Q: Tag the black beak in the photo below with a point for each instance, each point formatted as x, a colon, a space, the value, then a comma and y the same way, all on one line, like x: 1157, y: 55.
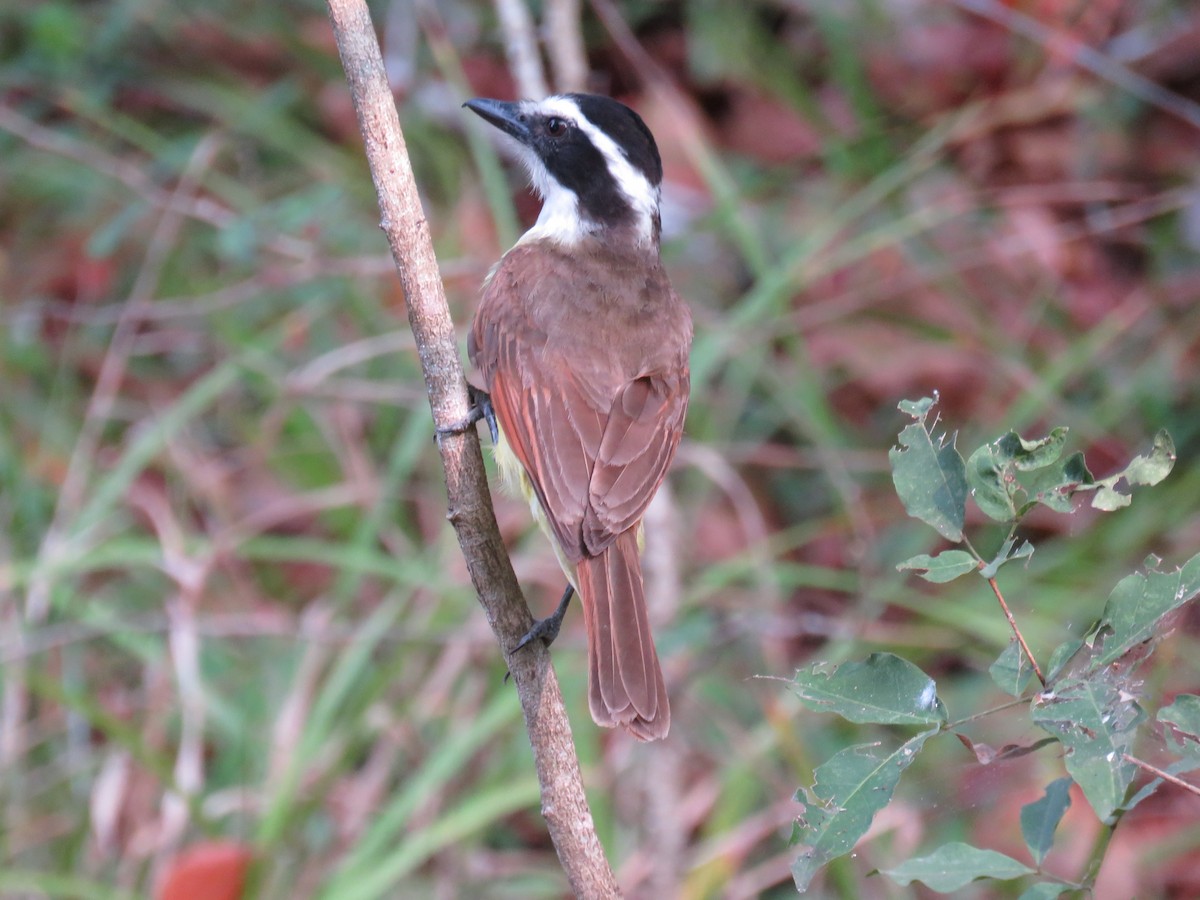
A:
x: 505, y: 116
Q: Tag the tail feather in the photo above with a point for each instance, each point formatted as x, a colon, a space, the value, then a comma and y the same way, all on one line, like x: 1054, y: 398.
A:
x: 625, y: 681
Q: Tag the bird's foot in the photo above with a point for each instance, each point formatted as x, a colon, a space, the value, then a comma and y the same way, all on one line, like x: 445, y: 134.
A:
x: 546, y: 629
x: 481, y: 408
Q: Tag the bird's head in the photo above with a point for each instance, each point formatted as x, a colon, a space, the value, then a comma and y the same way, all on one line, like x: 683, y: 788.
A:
x: 593, y: 161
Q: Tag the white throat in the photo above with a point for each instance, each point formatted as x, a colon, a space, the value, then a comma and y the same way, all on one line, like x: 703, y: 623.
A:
x: 559, y: 220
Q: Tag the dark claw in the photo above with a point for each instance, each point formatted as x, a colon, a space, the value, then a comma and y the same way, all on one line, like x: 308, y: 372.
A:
x: 483, y: 403
x: 481, y: 408
x: 546, y: 629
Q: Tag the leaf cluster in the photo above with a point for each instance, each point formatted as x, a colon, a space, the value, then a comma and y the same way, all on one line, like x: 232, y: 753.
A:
x: 1086, y: 698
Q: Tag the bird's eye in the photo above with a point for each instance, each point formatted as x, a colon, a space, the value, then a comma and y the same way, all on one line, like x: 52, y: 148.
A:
x: 556, y: 127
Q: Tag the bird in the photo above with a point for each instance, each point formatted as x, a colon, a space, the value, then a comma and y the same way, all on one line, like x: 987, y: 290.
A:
x: 582, y: 346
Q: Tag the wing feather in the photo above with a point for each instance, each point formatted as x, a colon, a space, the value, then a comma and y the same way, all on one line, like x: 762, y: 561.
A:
x: 594, y: 440
x: 640, y: 440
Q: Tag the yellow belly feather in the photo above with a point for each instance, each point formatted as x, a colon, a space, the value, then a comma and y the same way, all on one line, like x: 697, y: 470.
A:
x: 516, y: 481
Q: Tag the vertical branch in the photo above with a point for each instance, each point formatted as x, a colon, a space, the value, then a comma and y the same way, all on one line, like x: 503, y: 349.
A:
x: 521, y: 48
x: 564, y: 44
x: 564, y: 804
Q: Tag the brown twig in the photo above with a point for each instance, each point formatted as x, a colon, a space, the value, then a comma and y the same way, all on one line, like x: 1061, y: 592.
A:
x: 564, y: 804
x: 1159, y: 773
x: 1017, y: 631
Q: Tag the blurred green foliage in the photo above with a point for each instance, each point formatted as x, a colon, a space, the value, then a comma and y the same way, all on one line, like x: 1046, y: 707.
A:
x: 224, y: 564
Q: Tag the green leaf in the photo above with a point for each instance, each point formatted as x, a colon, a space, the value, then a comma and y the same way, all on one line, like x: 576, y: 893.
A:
x: 1137, y: 605
x: 955, y: 865
x: 1011, y: 671
x: 1040, y: 818
x: 991, y: 471
x: 847, y: 792
x: 993, y: 492
x: 883, y: 689
x: 918, y: 409
x: 1053, y: 487
x: 1005, y: 554
x: 1154, y: 467
x: 946, y: 566
x: 1063, y: 654
x: 929, y: 475
x: 1095, y: 721
x: 1027, y: 456
x: 1108, y: 499
x: 1142, y: 470
x: 1184, y: 717
x: 1184, y: 714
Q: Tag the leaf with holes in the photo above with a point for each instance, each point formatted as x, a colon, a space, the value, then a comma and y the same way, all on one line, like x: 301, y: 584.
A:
x: 1137, y: 605
x: 929, y: 474
x: 1095, y: 721
x: 1054, y: 486
x: 1183, y: 715
x: 992, y: 487
x: 992, y: 470
x: 1146, y: 469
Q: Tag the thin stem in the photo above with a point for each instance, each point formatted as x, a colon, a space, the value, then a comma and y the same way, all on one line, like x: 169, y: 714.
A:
x: 1159, y: 773
x: 950, y: 726
x: 1017, y: 631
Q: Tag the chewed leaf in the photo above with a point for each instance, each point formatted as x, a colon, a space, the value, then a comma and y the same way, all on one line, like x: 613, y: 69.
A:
x: 994, y: 491
x: 1184, y: 718
x: 1184, y: 714
x: 1055, y: 485
x: 992, y: 472
x: 1027, y: 456
x: 929, y: 474
x: 1156, y: 465
x: 1107, y: 498
x: 918, y: 409
x: 1137, y: 605
x: 1144, y: 469
x: 1095, y: 721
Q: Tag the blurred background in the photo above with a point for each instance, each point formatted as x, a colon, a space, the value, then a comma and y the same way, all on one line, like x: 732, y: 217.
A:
x: 234, y: 622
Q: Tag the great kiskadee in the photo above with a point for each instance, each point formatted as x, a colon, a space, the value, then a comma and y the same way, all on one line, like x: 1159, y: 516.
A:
x: 582, y: 346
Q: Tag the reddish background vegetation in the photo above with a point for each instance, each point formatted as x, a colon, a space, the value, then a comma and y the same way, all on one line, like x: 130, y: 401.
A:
x: 224, y: 562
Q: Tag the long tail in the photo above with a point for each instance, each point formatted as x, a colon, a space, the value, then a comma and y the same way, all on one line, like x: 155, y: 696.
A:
x: 625, y: 681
